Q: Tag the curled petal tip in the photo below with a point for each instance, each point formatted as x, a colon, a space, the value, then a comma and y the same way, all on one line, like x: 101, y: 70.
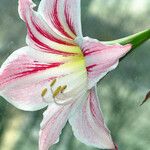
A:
x: 116, y: 147
x: 146, y: 98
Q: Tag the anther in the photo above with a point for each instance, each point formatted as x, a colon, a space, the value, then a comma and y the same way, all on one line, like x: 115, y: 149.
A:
x: 63, y: 88
x: 52, y: 83
x: 44, y: 91
x: 57, y: 91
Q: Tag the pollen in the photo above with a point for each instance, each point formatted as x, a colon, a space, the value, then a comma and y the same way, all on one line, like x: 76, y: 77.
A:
x: 44, y: 91
x: 63, y: 88
x: 53, y: 83
x: 57, y: 91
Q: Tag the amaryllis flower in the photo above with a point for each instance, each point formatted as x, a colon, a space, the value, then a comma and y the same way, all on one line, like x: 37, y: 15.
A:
x: 60, y: 69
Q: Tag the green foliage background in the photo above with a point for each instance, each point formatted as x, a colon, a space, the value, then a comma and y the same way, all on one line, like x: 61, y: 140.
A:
x: 120, y: 92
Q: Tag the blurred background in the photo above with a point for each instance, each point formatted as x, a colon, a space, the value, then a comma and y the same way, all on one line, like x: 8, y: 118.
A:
x: 120, y: 92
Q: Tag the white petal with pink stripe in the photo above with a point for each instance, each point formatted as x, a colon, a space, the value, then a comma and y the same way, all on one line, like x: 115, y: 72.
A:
x: 100, y: 58
x: 88, y: 124
x: 24, y: 75
x: 63, y: 16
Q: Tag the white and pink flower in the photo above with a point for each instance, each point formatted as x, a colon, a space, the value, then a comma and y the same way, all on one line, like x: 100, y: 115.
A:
x: 60, y: 69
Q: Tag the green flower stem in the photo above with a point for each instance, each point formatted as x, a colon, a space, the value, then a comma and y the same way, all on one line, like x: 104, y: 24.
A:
x: 136, y: 39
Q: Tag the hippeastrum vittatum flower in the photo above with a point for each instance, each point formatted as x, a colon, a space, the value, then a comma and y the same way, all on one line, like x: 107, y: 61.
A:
x: 60, y: 69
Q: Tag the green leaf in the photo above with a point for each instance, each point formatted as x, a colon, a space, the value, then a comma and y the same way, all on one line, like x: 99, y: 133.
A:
x: 136, y: 39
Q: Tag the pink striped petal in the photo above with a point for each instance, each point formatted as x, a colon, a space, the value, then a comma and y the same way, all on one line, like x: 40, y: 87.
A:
x: 101, y: 58
x: 63, y: 15
x: 26, y: 72
x: 55, y: 118
x: 22, y: 78
x: 88, y: 124
x: 40, y: 35
x: 72, y: 14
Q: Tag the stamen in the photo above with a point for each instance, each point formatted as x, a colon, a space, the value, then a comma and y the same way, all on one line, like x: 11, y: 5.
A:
x: 57, y: 91
x: 63, y: 88
x: 63, y: 98
x: 44, y: 91
x: 52, y: 83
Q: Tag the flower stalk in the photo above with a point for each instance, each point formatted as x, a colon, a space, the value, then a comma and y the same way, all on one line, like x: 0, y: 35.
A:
x: 135, y: 39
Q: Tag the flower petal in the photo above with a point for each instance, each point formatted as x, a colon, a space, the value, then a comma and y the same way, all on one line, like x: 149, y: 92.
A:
x: 88, y: 124
x: 63, y: 16
x: 27, y: 72
x: 55, y: 118
x: 101, y: 58
x: 41, y: 36
x: 19, y: 80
